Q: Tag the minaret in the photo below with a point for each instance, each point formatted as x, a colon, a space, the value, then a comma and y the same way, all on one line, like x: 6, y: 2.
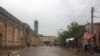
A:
x: 36, y: 27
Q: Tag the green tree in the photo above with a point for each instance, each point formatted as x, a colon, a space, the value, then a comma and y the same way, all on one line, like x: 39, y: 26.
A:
x: 63, y: 36
x: 74, y: 30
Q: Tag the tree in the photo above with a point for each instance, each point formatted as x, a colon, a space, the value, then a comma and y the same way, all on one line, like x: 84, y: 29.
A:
x: 62, y: 37
x: 74, y: 30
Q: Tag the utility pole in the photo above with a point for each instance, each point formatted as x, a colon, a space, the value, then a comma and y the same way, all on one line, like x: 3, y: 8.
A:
x: 92, y: 31
x: 92, y: 12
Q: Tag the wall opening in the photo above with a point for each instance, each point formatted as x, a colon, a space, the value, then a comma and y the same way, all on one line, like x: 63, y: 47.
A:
x: 0, y: 40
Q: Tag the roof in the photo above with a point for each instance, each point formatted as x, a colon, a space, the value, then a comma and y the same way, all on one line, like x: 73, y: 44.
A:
x: 7, y: 14
x: 97, y: 23
x: 13, y: 18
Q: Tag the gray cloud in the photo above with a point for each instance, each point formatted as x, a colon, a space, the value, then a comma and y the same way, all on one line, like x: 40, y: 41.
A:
x: 51, y: 14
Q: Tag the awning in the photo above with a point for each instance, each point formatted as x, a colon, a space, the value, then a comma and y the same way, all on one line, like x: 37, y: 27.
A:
x: 87, y: 36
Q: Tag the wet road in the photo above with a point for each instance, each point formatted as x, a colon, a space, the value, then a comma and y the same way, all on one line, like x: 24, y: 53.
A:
x: 46, y: 51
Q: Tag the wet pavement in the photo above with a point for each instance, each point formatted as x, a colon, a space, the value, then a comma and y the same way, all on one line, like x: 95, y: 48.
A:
x: 46, y: 51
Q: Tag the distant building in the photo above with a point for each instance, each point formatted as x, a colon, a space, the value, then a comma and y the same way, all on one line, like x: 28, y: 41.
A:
x: 36, y: 27
x: 47, y: 40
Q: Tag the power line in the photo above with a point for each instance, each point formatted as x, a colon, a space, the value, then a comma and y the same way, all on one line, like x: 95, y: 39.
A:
x: 86, y: 21
x: 96, y: 16
x: 96, y: 11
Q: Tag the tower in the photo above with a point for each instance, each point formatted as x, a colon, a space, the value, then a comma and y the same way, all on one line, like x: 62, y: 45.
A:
x: 36, y: 27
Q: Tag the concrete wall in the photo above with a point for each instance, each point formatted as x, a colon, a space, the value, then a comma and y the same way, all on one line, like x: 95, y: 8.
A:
x: 13, y: 32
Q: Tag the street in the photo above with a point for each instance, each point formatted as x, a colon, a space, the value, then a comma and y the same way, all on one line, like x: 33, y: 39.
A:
x: 46, y: 51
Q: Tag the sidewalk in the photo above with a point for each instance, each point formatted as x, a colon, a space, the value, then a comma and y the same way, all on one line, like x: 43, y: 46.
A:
x: 81, y: 52
x: 13, y: 52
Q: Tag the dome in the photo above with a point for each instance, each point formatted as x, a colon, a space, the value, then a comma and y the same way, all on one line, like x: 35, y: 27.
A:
x: 36, y: 21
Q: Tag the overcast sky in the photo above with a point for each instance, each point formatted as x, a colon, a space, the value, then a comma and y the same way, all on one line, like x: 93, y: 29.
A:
x: 51, y: 14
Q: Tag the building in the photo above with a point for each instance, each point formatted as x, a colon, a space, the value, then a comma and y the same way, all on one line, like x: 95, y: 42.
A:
x: 96, y: 27
x: 95, y: 37
x: 13, y: 32
x: 36, y: 27
x: 47, y: 40
x: 36, y: 39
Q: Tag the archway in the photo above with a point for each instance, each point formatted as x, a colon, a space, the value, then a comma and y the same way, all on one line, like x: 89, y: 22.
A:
x: 2, y: 34
x: 27, y: 39
x: 0, y: 40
